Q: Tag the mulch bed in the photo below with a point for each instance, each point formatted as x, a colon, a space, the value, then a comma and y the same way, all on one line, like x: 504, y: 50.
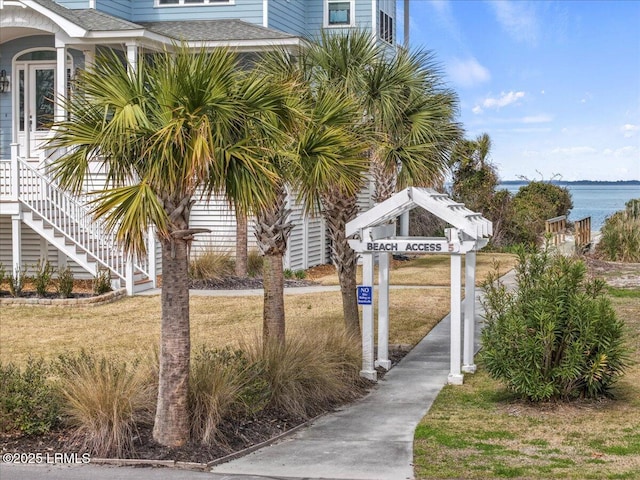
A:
x: 233, y: 436
x: 242, y: 283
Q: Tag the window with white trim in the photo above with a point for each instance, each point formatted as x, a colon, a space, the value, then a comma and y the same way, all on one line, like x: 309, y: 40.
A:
x: 177, y: 3
x: 339, y: 13
x: 385, y: 27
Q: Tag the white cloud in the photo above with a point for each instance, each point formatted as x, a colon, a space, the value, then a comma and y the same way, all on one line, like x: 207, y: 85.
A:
x: 630, y: 130
x: 574, y: 151
x: 502, y: 101
x: 518, y: 19
x: 467, y: 72
x: 542, y: 118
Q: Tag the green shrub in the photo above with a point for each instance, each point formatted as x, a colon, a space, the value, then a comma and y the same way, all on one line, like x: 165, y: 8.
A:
x: 556, y: 335
x: 312, y: 371
x: 223, y: 385
x: 254, y: 263
x: 620, y: 235
x: 102, y: 282
x: 64, y: 285
x: 104, y: 400
x: 42, y: 277
x: 533, y: 205
x: 300, y: 274
x: 27, y: 399
x: 288, y: 273
x: 16, y: 281
x: 211, y: 264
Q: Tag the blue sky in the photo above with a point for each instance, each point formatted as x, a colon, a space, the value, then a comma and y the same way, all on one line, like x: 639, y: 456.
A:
x: 556, y: 84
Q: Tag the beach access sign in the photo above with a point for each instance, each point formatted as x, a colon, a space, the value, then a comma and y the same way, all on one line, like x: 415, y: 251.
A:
x: 365, y: 295
x: 409, y: 245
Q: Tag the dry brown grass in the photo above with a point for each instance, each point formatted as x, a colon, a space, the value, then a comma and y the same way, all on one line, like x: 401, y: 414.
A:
x: 428, y: 270
x: 131, y: 326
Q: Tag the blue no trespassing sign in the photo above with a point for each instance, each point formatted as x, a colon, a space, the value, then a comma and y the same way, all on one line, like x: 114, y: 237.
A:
x: 365, y: 295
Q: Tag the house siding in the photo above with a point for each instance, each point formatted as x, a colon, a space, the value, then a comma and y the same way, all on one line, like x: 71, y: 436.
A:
x: 289, y: 16
x: 74, y: 4
x: 247, y: 10
x: 33, y: 248
x: 117, y: 8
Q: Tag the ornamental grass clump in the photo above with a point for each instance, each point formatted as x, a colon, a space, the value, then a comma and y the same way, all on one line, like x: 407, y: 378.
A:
x: 620, y: 240
x: 310, y: 372
x: 105, y: 400
x: 223, y: 386
x: 556, y: 335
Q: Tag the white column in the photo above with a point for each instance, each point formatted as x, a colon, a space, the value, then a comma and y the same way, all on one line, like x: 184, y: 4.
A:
x: 368, y: 371
x: 132, y: 56
x: 468, y: 364
x: 16, y: 242
x: 455, y: 376
x: 61, y: 80
x: 129, y: 275
x: 404, y: 224
x: 89, y: 57
x: 15, y: 172
x: 151, y: 252
x: 383, y: 311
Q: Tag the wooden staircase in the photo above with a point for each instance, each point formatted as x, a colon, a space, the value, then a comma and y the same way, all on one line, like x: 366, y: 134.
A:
x: 66, y: 223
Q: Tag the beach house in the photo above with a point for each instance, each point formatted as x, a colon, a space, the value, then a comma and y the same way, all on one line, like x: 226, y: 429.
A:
x: 43, y: 46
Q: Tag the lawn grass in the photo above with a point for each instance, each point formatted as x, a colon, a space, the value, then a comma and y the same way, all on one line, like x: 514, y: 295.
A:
x: 480, y: 430
x: 131, y: 327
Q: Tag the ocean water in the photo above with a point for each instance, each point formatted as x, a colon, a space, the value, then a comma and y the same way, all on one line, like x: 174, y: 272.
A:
x: 597, y: 201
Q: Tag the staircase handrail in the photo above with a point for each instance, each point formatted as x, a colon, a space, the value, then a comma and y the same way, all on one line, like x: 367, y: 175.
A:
x: 72, y: 219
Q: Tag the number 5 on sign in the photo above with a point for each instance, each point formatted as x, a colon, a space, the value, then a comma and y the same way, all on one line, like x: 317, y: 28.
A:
x: 365, y: 295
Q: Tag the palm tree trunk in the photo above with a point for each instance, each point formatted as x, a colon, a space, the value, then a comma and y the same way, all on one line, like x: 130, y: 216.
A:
x: 273, y: 326
x: 171, y: 426
x: 241, y: 244
x: 385, y: 180
x: 338, y: 210
x: 272, y: 233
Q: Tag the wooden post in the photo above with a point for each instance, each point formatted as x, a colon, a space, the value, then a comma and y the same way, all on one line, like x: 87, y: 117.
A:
x: 368, y: 371
x: 383, y: 311
x: 455, y: 375
x: 468, y: 364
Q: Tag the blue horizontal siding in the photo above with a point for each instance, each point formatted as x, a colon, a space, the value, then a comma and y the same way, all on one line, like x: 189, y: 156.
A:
x: 288, y: 16
x: 74, y: 4
x: 247, y: 10
x: 117, y: 8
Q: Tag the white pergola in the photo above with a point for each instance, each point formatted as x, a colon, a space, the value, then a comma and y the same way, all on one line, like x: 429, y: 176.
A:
x: 374, y: 233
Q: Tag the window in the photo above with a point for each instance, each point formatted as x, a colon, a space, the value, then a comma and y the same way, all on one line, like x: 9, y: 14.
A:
x: 165, y: 3
x: 385, y: 27
x: 339, y: 13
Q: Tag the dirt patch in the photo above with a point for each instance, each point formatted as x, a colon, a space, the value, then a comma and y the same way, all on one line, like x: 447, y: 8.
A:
x: 616, y: 274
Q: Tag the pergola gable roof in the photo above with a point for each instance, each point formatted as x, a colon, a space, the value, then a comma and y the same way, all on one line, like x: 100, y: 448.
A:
x: 471, y: 223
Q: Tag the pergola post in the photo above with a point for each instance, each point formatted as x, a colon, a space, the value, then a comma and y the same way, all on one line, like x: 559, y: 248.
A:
x: 468, y: 364
x: 455, y: 375
x: 383, y: 311
x: 368, y: 370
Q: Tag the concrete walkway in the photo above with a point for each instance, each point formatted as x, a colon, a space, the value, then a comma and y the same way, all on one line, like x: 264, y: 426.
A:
x: 371, y: 439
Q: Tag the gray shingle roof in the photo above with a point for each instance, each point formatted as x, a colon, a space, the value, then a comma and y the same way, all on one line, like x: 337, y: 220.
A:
x: 214, y: 30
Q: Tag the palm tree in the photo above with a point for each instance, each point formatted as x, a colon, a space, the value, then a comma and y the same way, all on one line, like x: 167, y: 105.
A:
x: 171, y: 130
x: 324, y: 154
x: 407, y: 116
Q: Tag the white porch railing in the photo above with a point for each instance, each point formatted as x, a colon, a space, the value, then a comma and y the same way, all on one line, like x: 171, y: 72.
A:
x: 67, y: 215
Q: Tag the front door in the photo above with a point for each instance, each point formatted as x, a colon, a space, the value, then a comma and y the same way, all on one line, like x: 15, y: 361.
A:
x: 36, y: 106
